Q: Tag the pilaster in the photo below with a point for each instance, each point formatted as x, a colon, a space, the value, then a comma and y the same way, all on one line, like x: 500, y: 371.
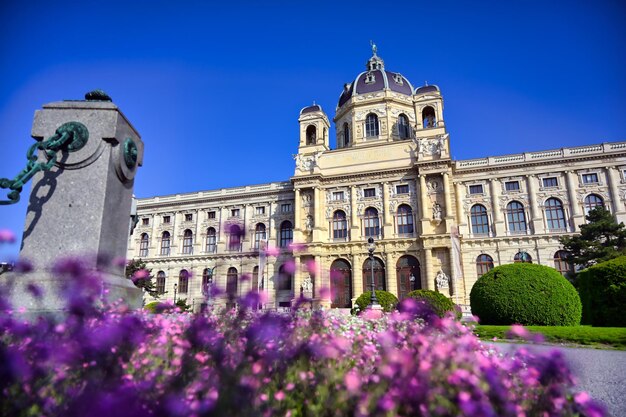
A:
x: 449, y: 214
x: 387, y: 219
x: 428, y: 270
x: 618, y: 206
x: 498, y: 223
x: 577, y: 217
x: 390, y: 268
x: 536, y: 220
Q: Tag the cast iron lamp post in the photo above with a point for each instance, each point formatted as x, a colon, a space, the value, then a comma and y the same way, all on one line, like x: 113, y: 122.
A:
x: 371, y: 247
x: 206, y: 291
x: 175, y: 287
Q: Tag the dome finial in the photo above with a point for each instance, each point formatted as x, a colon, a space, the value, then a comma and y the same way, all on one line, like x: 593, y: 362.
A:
x: 374, y: 48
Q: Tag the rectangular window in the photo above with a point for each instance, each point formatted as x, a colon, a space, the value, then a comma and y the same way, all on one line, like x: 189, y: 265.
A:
x: 476, y: 189
x: 369, y: 192
x: 145, y: 221
x: 211, y: 214
x: 285, y: 208
x: 402, y: 189
x: 260, y: 210
x: 511, y: 185
x: 337, y: 195
x: 188, y: 217
x: 590, y: 178
x: 166, y: 220
x: 234, y: 213
x: 550, y: 182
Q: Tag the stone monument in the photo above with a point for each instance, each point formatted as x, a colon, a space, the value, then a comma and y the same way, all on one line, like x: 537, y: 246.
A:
x: 80, y: 204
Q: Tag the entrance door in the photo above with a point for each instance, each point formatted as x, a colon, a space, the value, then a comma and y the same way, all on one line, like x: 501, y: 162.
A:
x: 341, y: 284
x: 379, y: 275
x: 408, y: 275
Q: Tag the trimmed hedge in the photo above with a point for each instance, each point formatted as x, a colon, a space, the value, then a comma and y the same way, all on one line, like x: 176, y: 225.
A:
x: 151, y: 307
x: 387, y: 300
x: 439, y: 303
x: 602, y: 289
x: 526, y: 294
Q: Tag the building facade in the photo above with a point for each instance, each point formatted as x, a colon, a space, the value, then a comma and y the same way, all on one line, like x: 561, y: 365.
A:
x: 438, y: 224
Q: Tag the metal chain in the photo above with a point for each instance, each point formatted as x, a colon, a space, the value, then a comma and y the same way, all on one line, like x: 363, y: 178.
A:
x: 72, y: 133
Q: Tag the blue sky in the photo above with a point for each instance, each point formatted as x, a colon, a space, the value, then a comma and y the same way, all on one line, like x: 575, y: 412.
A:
x: 215, y: 89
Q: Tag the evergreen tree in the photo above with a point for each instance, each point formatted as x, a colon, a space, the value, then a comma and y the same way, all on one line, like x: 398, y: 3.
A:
x: 141, y: 276
x: 601, y: 239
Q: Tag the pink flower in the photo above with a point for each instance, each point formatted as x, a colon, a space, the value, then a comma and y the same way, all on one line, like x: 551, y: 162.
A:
x: 518, y: 331
x: 279, y: 396
x: 581, y: 398
x: 352, y: 381
x: 7, y: 236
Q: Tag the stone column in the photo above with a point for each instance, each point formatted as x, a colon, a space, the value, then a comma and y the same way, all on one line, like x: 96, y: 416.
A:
x: 297, y: 227
x: 429, y: 283
x: 81, y: 206
x: 392, y: 279
x: 318, y: 198
x: 271, y: 230
x: 424, y: 206
x: 498, y: 223
x: 297, y: 277
x: 387, y: 218
x: 357, y: 276
x: 618, y: 205
x: 354, y: 219
x: 449, y: 217
x: 578, y: 217
x: 460, y: 216
x: 537, y: 219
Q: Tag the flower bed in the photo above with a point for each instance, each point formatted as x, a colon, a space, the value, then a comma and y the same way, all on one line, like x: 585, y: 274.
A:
x: 116, y: 363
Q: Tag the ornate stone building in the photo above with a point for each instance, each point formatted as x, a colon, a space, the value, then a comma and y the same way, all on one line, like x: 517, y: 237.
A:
x: 438, y: 224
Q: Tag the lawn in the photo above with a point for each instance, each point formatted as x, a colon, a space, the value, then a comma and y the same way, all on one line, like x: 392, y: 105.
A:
x: 583, y: 335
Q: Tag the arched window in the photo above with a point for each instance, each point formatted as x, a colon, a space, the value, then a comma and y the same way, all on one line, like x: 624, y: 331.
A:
x: 165, y: 244
x: 234, y: 238
x: 371, y: 222
x: 259, y: 235
x: 428, y: 117
x: 515, y: 217
x: 207, y: 280
x: 231, y: 282
x: 480, y: 220
x: 284, y: 279
x: 379, y: 275
x: 371, y: 126
x: 523, y: 257
x: 408, y: 275
x: 562, y: 264
x: 484, y: 264
x: 404, y: 129
x: 183, y: 281
x: 160, y: 282
x: 211, y: 241
x: 555, y: 215
x: 143, y: 245
x: 341, y: 284
x: 592, y: 201
x: 286, y: 234
x: 405, y: 220
x: 311, y: 135
x: 340, y: 225
x: 346, y: 134
x: 188, y: 242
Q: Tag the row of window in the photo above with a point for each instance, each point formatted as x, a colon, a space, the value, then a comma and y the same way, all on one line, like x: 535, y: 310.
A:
x: 368, y: 192
x: 235, y: 235
x: 548, y: 182
x: 484, y: 262
x: 371, y: 222
x: 260, y: 210
x: 516, y: 215
x: 285, y: 279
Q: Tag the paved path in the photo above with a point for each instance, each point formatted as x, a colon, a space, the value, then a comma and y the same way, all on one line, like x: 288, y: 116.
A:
x: 602, y: 373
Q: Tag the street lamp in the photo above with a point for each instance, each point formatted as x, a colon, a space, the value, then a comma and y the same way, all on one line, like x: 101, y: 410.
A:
x: 371, y: 247
x: 175, y: 287
x: 206, y: 291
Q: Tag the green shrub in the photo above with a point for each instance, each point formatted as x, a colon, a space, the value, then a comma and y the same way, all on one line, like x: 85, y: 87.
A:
x: 151, y: 307
x: 439, y: 303
x: 526, y: 294
x: 387, y: 300
x: 602, y: 289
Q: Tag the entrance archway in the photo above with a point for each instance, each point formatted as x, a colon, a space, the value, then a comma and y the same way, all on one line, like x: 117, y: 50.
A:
x: 341, y: 284
x: 408, y: 275
x: 379, y: 275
